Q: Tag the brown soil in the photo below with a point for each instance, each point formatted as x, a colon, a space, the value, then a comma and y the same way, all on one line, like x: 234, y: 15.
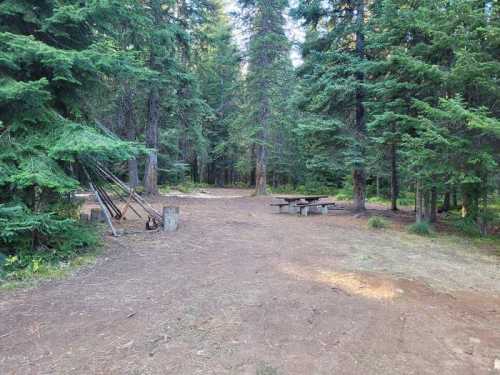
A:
x: 242, y: 290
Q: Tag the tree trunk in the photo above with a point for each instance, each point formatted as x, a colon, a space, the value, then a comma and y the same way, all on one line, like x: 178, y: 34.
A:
x: 359, y: 183
x: 377, y: 182
x: 261, y: 171
x: 454, y: 198
x: 130, y: 133
x: 433, y: 205
x: 424, y: 204
x: 359, y: 178
x: 151, y: 170
x: 418, y: 203
x: 394, y: 179
x: 446, y: 201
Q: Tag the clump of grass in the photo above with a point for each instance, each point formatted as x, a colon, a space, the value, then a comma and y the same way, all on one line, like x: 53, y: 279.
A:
x: 422, y: 228
x: 165, y: 189
x: 189, y: 186
x: 377, y: 223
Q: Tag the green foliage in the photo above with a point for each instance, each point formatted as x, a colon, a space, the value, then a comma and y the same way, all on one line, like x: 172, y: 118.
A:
x: 50, y: 60
x: 72, y: 246
x: 376, y: 222
x: 422, y: 228
x: 467, y: 226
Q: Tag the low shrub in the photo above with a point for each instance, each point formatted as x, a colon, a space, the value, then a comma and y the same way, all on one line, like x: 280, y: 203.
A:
x: 377, y: 223
x: 164, y: 189
x: 67, y: 248
x: 422, y: 228
x: 468, y: 227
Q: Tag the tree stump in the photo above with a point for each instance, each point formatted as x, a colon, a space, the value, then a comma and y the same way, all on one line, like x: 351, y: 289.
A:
x: 170, y: 218
x: 84, y: 218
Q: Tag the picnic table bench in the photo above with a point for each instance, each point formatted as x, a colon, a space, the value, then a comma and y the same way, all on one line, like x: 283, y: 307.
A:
x: 302, y: 204
x: 304, y: 207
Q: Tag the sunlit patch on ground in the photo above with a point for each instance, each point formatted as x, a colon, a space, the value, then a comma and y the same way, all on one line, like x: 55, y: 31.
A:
x: 348, y: 282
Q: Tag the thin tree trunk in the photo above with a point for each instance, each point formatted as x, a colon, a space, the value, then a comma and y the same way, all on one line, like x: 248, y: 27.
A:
x: 151, y: 170
x: 377, y: 182
x: 446, y: 201
x: 394, y: 179
x: 261, y: 170
x: 433, y: 205
x: 359, y: 177
x: 130, y: 134
x: 419, y: 204
x: 454, y: 198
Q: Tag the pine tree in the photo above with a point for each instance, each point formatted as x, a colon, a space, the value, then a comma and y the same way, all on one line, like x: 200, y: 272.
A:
x: 426, y: 88
x: 50, y: 59
x: 218, y: 70
x: 334, y: 55
x: 268, y: 56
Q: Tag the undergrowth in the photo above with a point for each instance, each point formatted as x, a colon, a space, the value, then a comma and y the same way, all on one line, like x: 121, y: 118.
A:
x: 422, y: 228
x: 376, y: 222
x: 25, y: 266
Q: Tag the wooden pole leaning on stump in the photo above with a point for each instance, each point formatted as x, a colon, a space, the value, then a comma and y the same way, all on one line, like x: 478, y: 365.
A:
x: 170, y: 218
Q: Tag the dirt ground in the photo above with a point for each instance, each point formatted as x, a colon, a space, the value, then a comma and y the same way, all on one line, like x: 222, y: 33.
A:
x: 240, y: 289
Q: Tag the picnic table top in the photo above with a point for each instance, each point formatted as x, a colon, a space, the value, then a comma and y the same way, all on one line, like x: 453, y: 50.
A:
x: 305, y: 197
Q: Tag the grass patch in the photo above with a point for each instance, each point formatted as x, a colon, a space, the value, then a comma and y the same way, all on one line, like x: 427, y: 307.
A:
x: 422, y: 229
x: 189, y: 187
x: 376, y: 222
x: 164, y: 189
x: 28, y: 277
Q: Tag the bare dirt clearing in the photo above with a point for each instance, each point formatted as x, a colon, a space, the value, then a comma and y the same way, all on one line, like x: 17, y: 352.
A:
x: 242, y: 290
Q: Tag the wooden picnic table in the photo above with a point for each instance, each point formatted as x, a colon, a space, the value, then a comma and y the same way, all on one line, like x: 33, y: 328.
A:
x: 307, y: 198
x: 296, y: 204
x: 291, y: 201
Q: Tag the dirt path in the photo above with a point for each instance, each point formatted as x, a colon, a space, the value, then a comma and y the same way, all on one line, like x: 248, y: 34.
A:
x: 240, y: 290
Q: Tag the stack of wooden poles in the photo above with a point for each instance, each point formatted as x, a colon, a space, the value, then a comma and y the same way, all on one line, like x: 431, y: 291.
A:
x: 100, y: 178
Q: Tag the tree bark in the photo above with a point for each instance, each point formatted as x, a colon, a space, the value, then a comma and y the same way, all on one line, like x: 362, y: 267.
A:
x: 425, y: 203
x: 359, y: 178
x: 446, y: 201
x: 130, y: 133
x: 454, y: 198
x: 394, y: 179
x: 261, y: 171
x: 419, y: 204
x: 151, y: 170
x: 433, y: 205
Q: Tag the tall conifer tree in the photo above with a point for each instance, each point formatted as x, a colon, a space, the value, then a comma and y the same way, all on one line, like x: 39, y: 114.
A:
x: 268, y: 57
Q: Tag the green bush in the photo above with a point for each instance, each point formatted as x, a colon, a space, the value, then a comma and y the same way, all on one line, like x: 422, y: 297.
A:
x: 468, y: 227
x: 377, y: 223
x: 164, y: 189
x: 422, y: 229
x: 64, y: 247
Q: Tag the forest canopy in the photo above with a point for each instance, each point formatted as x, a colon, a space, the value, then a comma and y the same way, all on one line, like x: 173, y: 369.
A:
x: 393, y: 99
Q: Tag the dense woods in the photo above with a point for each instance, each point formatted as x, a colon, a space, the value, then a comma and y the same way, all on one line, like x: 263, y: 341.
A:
x: 393, y: 99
